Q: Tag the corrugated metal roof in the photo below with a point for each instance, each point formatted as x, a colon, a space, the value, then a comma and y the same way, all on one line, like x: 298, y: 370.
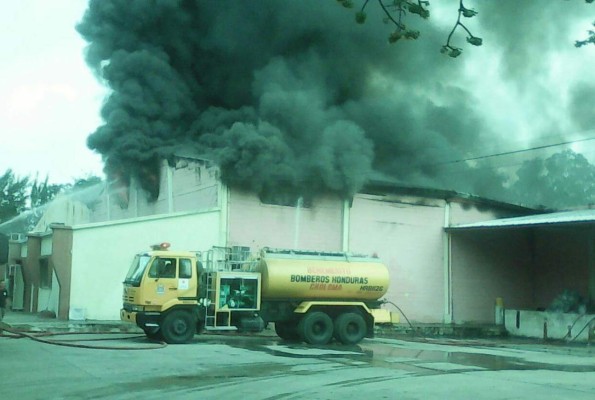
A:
x: 558, y: 218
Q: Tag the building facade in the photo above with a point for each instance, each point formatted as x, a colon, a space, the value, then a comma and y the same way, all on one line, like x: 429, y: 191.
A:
x: 75, y: 261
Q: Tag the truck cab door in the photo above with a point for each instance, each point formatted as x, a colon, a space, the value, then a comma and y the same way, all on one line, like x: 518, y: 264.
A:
x: 167, y: 279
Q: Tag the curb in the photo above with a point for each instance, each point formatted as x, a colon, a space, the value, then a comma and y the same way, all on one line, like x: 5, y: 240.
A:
x: 69, y: 326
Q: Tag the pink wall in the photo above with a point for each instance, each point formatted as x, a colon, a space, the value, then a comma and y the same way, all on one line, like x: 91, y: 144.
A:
x: 406, y: 232
x: 195, y: 186
x: 488, y: 264
x: 408, y: 238
x: 255, y: 224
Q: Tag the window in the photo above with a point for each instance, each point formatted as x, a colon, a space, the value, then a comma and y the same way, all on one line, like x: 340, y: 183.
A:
x: 185, y: 268
x: 163, y: 268
x: 45, y: 274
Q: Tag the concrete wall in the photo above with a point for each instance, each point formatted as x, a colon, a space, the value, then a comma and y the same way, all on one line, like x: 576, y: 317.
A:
x: 48, y: 299
x: 62, y: 264
x: 194, y: 186
x: 546, y: 325
x: 56, y: 249
x: 490, y: 264
x: 406, y: 233
x: 46, y: 245
x: 101, y: 255
x: 63, y: 210
x: 255, y: 224
x: 15, y: 249
x: 31, y: 254
x: 185, y: 186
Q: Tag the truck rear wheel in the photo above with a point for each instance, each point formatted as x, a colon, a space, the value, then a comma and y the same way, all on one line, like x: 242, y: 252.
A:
x: 178, y: 327
x: 316, y: 327
x: 287, y: 331
x: 350, y: 328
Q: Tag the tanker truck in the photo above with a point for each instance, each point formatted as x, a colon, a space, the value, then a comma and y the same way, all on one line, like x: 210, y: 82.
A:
x: 309, y: 296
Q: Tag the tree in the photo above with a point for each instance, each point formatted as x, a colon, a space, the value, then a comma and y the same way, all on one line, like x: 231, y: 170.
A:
x: 13, y: 195
x: 23, y: 202
x: 564, y: 180
x: 42, y: 192
x: 397, y: 10
x: 590, y: 39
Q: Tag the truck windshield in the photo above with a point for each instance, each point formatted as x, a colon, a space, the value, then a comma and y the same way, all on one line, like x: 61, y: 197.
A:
x: 135, y: 273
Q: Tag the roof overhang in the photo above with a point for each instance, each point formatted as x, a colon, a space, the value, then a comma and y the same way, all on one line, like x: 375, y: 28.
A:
x: 567, y: 218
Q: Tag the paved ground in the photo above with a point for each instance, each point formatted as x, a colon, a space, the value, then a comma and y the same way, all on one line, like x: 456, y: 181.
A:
x: 85, y: 366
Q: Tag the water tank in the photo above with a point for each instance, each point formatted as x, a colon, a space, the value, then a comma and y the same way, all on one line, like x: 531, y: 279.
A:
x: 301, y: 277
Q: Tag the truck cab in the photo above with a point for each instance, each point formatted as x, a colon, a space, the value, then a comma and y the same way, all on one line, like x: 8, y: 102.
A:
x: 170, y: 296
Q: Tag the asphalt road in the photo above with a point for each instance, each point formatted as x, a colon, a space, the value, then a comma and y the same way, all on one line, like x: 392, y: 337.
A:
x: 227, y: 367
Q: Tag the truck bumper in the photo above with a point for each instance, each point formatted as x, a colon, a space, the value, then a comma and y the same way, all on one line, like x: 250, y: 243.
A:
x: 128, y: 316
x: 143, y: 320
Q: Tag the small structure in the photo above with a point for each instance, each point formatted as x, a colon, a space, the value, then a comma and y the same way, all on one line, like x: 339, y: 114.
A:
x: 529, y: 262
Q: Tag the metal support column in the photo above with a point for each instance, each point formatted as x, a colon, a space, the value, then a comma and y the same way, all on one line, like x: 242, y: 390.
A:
x: 446, y: 240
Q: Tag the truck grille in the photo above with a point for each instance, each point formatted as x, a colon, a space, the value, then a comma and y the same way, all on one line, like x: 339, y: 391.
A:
x: 128, y: 295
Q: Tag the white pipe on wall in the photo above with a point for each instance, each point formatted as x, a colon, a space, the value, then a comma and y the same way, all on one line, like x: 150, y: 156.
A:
x: 223, y: 213
x: 346, y: 220
x: 170, y: 189
x: 591, y: 263
x: 298, y: 211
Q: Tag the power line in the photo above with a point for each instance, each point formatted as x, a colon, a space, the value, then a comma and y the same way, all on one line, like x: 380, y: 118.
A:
x: 515, y: 151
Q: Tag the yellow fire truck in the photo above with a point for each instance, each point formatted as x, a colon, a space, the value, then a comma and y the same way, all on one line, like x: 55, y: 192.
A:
x: 309, y: 296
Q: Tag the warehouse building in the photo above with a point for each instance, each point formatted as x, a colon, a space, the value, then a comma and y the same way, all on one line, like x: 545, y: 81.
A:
x: 449, y: 259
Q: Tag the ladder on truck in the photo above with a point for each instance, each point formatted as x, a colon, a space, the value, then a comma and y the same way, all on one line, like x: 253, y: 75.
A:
x: 221, y: 259
x: 215, y: 319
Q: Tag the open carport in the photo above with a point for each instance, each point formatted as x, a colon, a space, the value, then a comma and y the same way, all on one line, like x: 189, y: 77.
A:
x: 538, y: 265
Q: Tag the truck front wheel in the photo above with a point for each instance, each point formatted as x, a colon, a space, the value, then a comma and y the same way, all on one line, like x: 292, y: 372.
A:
x: 316, y: 328
x: 350, y: 328
x: 178, y: 327
x: 153, y: 333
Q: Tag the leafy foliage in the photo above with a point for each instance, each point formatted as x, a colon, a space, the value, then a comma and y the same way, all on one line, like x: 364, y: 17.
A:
x: 564, y: 180
x: 396, y: 10
x: 42, y: 192
x: 590, y: 39
x: 13, y: 195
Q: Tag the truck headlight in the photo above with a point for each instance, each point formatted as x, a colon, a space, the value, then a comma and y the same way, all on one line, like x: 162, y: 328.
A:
x: 137, y: 308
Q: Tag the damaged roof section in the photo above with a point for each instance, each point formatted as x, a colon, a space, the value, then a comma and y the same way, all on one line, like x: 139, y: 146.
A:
x: 382, y: 186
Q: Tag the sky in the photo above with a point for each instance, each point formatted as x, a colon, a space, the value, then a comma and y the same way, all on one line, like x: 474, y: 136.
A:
x: 527, y: 86
x: 49, y: 98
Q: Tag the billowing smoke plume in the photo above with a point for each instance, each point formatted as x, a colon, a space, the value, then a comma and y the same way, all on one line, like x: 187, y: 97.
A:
x: 287, y: 96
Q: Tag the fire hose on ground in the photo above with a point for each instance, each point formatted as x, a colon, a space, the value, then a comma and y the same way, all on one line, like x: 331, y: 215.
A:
x: 43, y: 337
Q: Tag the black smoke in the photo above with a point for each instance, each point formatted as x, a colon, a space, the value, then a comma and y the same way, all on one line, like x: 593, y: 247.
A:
x: 288, y: 97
